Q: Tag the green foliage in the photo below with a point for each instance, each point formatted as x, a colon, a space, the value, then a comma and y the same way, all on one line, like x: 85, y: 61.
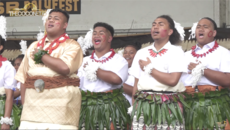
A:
x: 98, y: 108
x: 38, y: 56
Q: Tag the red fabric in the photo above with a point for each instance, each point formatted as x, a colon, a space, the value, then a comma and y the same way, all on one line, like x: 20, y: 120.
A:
x: 1, y: 60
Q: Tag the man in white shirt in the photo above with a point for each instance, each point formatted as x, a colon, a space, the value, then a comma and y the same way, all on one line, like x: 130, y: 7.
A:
x: 157, y: 70
x: 101, y: 77
x: 208, y: 66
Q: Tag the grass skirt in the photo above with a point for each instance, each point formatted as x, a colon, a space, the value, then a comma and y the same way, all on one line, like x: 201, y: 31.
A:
x: 155, y: 110
x: 207, y: 110
x: 100, y: 110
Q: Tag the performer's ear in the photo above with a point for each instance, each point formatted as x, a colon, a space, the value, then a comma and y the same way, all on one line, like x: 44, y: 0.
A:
x: 110, y: 39
x: 170, y: 32
x: 214, y: 33
x: 65, y: 25
x: 1, y: 47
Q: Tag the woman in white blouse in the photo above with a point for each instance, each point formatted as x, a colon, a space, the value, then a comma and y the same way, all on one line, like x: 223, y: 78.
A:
x: 7, y: 83
x: 129, y: 54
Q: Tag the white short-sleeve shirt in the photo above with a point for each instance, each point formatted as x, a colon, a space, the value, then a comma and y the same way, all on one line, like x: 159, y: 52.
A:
x: 218, y: 60
x: 7, y: 73
x: 130, y: 81
x: 169, y: 62
x: 117, y: 65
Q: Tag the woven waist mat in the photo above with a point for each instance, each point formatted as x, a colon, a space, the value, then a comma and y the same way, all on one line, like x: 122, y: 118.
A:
x: 52, y: 82
x: 98, y: 109
x: 202, y: 88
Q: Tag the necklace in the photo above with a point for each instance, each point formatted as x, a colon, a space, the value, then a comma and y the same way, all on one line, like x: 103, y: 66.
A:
x: 103, y: 61
x: 204, y: 54
x: 154, y: 53
x: 53, y: 44
x: 2, y: 59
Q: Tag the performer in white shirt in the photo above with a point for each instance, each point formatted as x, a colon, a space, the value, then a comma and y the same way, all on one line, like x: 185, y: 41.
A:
x: 207, y: 80
x: 129, y: 53
x: 7, y: 84
x: 101, y: 77
x: 157, y: 70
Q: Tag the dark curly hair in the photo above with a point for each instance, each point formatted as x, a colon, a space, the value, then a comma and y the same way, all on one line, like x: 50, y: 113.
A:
x: 175, y: 37
x: 2, y: 43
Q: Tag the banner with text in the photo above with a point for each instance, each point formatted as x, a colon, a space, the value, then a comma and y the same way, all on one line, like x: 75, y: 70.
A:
x: 18, y: 8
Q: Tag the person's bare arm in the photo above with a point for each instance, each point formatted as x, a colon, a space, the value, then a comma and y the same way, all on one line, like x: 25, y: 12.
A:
x: 134, y: 89
x: 128, y: 89
x: 217, y: 77
x: 109, y: 77
x: 16, y: 93
x: 23, y: 92
x: 56, y: 64
x: 170, y: 79
x: 220, y: 78
x: 8, y: 107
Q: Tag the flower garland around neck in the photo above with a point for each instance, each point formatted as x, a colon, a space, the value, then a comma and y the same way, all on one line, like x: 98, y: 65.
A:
x: 216, y: 45
x: 103, y: 61
x: 154, y: 53
x: 1, y: 60
x: 53, y: 44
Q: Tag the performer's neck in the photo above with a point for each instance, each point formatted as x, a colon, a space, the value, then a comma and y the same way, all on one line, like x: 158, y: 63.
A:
x: 100, y: 53
x: 201, y: 45
x: 52, y: 37
x: 159, y: 43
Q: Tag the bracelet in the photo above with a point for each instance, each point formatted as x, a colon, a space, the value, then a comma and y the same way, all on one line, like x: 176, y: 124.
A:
x: 148, y: 68
x: 197, y: 73
x: 6, y: 120
x: 91, y: 70
x: 202, y: 70
x: 38, y: 56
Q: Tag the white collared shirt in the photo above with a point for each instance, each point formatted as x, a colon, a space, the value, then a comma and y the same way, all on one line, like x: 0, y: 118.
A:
x: 117, y: 65
x: 169, y: 62
x: 218, y: 60
x: 7, y: 73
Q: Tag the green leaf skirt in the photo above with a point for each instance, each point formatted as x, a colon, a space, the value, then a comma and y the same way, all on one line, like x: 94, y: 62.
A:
x: 15, y: 114
x: 158, y: 110
x: 99, y: 110
x: 207, y: 111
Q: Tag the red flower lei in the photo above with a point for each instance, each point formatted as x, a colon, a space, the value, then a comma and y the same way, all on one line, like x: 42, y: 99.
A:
x: 154, y: 53
x: 103, y: 61
x: 53, y: 44
x: 204, y: 54
x: 1, y: 60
